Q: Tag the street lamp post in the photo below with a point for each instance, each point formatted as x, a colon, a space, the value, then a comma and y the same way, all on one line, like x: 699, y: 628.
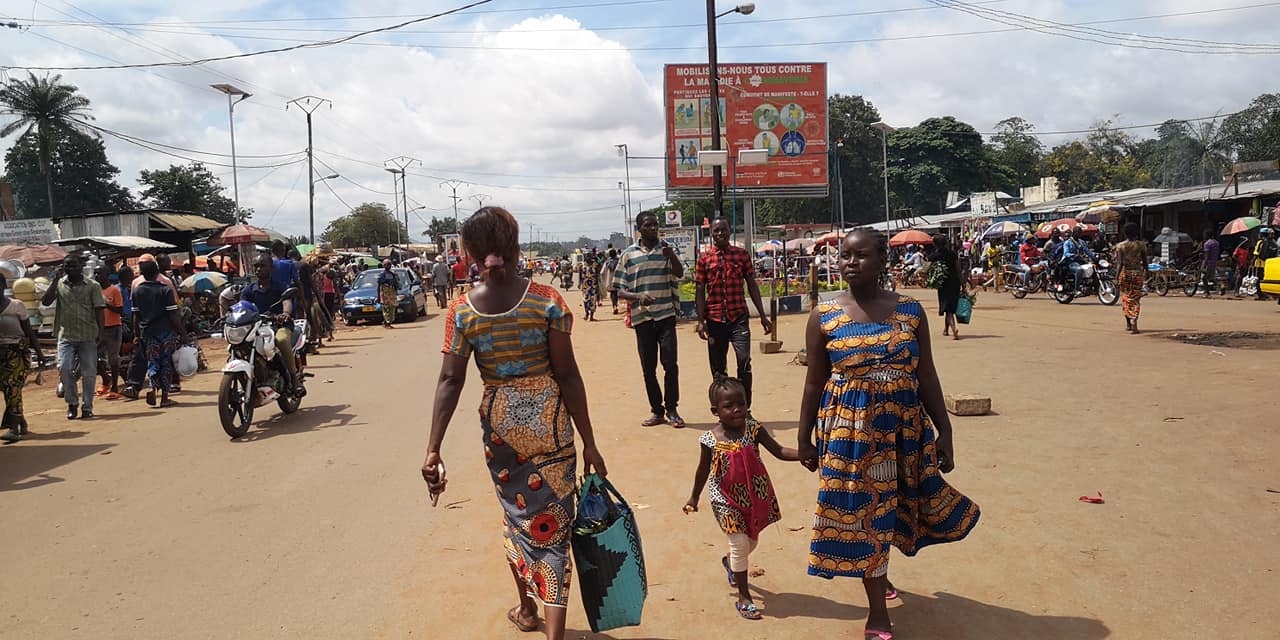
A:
x: 713, y: 73
x: 626, y: 164
x: 232, y: 90
x: 884, y: 130
x: 395, y: 200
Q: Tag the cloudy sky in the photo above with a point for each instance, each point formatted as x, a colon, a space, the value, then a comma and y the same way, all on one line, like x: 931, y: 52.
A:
x: 523, y: 100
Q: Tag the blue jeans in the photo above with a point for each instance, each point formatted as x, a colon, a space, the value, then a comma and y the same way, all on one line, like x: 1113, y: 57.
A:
x: 1075, y: 273
x: 85, y: 356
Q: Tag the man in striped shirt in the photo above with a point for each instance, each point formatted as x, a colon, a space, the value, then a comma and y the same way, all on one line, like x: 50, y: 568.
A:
x: 646, y: 277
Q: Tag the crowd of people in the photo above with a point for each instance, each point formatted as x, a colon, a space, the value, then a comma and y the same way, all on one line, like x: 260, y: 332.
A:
x: 872, y: 421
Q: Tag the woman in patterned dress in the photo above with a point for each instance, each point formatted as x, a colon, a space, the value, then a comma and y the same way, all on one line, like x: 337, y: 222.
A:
x: 872, y: 400
x: 518, y: 331
x: 1132, y: 259
x: 589, y: 282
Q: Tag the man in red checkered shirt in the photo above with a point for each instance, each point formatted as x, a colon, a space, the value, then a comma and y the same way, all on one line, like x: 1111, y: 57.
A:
x: 722, y: 274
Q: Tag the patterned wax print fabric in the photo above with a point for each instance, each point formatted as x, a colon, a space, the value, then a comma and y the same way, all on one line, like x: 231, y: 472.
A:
x: 13, y: 374
x: 387, y: 298
x: 741, y: 494
x: 590, y: 289
x: 512, y: 344
x: 1130, y: 283
x: 879, y: 481
x: 528, y: 437
x: 157, y: 349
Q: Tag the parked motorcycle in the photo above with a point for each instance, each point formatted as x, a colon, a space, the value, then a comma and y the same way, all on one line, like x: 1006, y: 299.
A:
x: 255, y: 373
x: 1095, y: 279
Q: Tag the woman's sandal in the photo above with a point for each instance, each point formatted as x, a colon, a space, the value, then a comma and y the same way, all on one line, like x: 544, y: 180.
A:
x: 724, y: 560
x: 874, y: 634
x: 749, y: 611
x: 514, y: 616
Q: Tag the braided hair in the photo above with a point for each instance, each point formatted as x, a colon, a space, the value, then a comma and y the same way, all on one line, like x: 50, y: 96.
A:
x: 492, y: 238
x: 724, y: 384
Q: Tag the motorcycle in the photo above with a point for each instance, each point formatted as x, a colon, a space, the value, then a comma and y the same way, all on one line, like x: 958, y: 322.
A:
x: 255, y: 374
x: 1020, y: 284
x: 1094, y: 279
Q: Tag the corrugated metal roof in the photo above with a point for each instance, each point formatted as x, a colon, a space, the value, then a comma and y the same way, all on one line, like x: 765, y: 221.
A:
x: 1158, y: 197
x: 184, y: 221
x: 118, y: 242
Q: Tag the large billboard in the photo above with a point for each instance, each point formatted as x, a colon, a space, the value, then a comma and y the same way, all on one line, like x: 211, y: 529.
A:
x: 780, y: 107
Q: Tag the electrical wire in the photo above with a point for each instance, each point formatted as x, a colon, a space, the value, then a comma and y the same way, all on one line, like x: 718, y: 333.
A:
x: 1246, y: 49
x: 250, y: 54
x: 335, y: 194
x: 184, y: 157
x: 301, y: 170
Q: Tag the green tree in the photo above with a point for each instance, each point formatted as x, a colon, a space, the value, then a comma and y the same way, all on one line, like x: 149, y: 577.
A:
x: 1106, y: 159
x: 78, y: 170
x: 48, y: 110
x: 1015, y: 152
x: 937, y: 156
x: 369, y: 224
x: 859, y: 155
x: 189, y: 187
x: 440, y: 226
x: 1254, y: 133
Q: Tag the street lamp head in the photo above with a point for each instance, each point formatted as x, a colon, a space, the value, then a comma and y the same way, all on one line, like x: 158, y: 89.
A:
x: 746, y: 8
x: 391, y: 170
x: 622, y: 150
x: 231, y: 90
x: 330, y: 176
x: 882, y: 127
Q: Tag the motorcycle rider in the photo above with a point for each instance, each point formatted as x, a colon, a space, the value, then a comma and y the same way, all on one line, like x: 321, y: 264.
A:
x: 264, y: 294
x: 1074, y: 253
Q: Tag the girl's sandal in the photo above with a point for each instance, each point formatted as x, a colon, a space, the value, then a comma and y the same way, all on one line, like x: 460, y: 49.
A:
x: 750, y: 612
x: 514, y: 616
x: 724, y: 560
x: 891, y: 594
x: 874, y: 634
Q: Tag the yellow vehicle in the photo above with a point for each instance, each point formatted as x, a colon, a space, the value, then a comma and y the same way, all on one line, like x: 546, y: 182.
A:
x: 1271, y: 277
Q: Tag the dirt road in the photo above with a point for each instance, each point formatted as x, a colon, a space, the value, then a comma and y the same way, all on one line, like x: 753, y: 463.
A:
x: 152, y: 524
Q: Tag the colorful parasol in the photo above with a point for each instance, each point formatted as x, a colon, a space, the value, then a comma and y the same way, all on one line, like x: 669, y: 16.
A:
x: 910, y: 236
x: 1241, y: 225
x: 1103, y: 210
x: 829, y: 238
x: 203, y: 281
x: 1004, y: 229
x: 241, y: 234
x: 1066, y: 226
x: 799, y: 245
x: 768, y: 246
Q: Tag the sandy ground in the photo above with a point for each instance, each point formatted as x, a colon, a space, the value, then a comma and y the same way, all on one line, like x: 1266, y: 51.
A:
x: 151, y: 524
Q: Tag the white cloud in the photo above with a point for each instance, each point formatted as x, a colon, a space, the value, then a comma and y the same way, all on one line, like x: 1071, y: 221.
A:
x: 494, y: 110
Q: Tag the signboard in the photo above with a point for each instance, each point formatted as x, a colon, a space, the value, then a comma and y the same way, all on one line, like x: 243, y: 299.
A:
x: 685, y: 241
x: 1261, y: 166
x: 984, y: 205
x: 672, y: 218
x: 34, y: 231
x: 779, y: 107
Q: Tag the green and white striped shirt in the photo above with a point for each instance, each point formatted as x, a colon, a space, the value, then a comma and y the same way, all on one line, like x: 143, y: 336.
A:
x: 646, y: 271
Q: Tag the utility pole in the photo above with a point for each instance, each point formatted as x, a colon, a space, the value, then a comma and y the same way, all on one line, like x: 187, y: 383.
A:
x: 402, y: 163
x: 480, y: 198
x: 453, y: 185
x: 626, y: 164
x: 305, y: 103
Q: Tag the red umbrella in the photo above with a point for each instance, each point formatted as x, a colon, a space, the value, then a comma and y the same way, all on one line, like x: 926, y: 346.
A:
x: 831, y: 237
x: 241, y: 234
x: 910, y: 236
x: 1065, y: 225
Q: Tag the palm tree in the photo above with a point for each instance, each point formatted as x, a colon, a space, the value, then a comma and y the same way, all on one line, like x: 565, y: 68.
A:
x: 48, y: 108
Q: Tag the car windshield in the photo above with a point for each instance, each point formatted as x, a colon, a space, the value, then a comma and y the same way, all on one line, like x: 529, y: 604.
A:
x: 370, y: 278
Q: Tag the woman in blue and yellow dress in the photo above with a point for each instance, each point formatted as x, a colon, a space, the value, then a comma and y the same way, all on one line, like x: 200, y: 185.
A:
x: 518, y: 332
x: 872, y: 402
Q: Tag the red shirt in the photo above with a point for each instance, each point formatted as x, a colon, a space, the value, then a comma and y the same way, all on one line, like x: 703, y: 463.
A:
x: 724, y: 274
x: 460, y: 271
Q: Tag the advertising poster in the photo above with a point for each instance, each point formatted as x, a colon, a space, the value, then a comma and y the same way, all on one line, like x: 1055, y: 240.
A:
x: 779, y: 107
x: 30, y: 231
x: 685, y: 241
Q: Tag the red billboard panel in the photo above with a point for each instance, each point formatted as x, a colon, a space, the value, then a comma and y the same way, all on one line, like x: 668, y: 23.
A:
x: 780, y: 107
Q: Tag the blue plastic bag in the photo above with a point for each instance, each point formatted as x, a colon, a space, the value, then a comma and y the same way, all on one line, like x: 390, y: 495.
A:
x: 964, y: 310
x: 606, y: 549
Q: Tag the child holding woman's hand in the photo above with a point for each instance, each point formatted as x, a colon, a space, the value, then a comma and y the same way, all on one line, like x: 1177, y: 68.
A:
x: 742, y: 496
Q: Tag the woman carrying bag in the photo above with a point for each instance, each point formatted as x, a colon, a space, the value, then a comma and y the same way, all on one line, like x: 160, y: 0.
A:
x: 519, y: 333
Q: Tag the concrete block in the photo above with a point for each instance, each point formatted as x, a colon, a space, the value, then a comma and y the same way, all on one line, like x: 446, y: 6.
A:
x: 968, y: 405
x: 770, y: 346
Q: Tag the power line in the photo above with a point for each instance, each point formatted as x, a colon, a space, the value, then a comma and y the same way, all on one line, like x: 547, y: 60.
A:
x: 237, y: 56
x: 286, y: 196
x: 144, y: 145
x: 165, y: 27
x: 1245, y: 48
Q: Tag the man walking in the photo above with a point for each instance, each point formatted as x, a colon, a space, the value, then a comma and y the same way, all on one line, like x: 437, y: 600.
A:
x: 77, y: 323
x: 720, y: 275
x: 112, y: 333
x: 646, y: 277
x: 440, y: 275
x: 388, y: 292
x: 158, y: 330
